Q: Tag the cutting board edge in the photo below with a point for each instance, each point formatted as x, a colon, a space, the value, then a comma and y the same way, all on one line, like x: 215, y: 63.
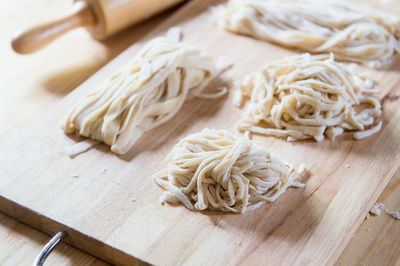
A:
x: 75, y: 238
x: 99, y: 249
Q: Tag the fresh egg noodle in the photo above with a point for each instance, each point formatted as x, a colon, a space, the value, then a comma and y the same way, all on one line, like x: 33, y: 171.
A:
x: 304, y: 96
x: 216, y: 170
x: 352, y: 32
x: 144, y: 93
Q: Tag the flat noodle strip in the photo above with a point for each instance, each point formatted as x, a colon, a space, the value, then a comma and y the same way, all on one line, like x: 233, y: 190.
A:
x: 352, y: 32
x: 80, y: 147
x: 216, y: 170
x: 303, y: 96
x: 146, y: 92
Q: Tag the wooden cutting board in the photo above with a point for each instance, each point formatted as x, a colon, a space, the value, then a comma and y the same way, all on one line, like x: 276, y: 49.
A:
x: 117, y: 215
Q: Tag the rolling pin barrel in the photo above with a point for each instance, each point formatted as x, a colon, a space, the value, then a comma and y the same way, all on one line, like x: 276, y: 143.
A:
x: 115, y: 15
x: 102, y: 18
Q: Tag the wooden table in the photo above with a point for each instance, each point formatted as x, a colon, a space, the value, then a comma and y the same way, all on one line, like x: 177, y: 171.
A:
x: 38, y: 81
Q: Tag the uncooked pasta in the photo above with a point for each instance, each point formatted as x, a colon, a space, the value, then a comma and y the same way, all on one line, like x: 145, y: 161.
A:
x: 304, y: 96
x: 217, y: 170
x: 144, y: 93
x: 352, y: 32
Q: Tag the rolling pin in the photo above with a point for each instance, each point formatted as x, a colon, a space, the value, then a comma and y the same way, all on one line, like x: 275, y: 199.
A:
x: 102, y: 18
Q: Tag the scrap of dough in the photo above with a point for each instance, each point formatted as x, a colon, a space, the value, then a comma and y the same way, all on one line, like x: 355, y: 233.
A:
x: 375, y: 210
x: 214, y: 169
x: 352, y: 32
x: 80, y: 147
x: 304, y: 96
x: 395, y: 215
x: 145, y: 93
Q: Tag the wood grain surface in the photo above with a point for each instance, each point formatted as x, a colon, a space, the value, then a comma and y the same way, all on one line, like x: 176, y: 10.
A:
x: 20, y: 244
x: 39, y: 106
x: 377, y: 241
x: 37, y: 82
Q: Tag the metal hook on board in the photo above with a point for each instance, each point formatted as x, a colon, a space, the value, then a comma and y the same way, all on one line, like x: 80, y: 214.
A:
x: 44, y: 253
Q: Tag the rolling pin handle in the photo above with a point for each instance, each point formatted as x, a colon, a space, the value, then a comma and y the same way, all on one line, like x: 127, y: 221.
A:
x: 31, y: 40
